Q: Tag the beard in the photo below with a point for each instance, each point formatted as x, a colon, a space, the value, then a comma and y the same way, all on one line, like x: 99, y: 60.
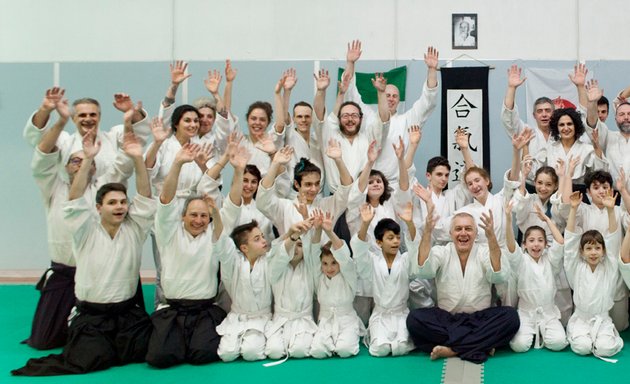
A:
x: 624, y: 127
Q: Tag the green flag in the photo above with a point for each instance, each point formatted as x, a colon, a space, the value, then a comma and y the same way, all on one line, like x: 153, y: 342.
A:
x: 397, y: 77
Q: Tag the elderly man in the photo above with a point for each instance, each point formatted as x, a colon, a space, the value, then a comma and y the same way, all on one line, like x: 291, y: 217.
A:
x: 463, y: 324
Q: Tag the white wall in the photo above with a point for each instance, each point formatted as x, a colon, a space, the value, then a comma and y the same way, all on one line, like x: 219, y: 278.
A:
x: 156, y: 30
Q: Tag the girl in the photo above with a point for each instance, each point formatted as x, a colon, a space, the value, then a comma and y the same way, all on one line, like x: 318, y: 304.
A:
x: 339, y: 328
x: 590, y: 262
x: 533, y: 270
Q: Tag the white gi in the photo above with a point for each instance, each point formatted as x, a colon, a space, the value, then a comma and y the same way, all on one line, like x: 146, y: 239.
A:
x: 590, y: 329
x: 387, y: 331
x: 536, y: 289
x: 616, y: 148
x: 588, y: 160
x: 108, y: 269
x: 339, y: 328
x: 290, y: 332
x: 243, y: 330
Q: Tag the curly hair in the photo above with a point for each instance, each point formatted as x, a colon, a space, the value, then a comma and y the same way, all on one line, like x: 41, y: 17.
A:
x: 575, y: 117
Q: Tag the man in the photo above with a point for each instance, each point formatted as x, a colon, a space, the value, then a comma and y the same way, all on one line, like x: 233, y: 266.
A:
x: 603, y: 107
x: 463, y: 38
x: 399, y: 123
x: 86, y: 115
x: 108, y: 327
x: 463, y: 324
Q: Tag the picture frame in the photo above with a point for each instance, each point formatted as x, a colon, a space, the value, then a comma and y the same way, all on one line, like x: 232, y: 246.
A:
x: 465, y: 27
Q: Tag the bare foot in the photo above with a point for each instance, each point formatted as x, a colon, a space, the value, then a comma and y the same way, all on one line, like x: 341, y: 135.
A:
x: 440, y: 351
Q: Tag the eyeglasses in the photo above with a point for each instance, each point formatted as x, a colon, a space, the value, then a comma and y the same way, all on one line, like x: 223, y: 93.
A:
x: 75, y: 161
x: 350, y: 115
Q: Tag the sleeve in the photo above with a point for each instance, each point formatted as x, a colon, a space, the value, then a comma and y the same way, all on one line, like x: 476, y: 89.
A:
x: 278, y: 260
x: 613, y: 245
x: 32, y: 134
x: 522, y: 206
x: 412, y: 253
x: 268, y: 203
x: 361, y: 256
x: 44, y: 167
x: 166, y: 113
x: 80, y: 218
x: 338, y: 202
x: 624, y: 270
x: 571, y: 255
x: 556, y: 255
x: 347, y: 266
x: 592, y: 162
x: 312, y: 252
x: 434, y: 262
x: 603, y: 132
x: 167, y: 220
x: 120, y: 171
x: 355, y: 199
x: 511, y: 120
x: 208, y: 185
x: 515, y: 259
x: 377, y: 130
x: 492, y: 276
x: 225, y: 248
x: 280, y: 139
x: 230, y: 215
x: 142, y: 213
x: 423, y: 107
x: 222, y: 129
x: 510, y: 186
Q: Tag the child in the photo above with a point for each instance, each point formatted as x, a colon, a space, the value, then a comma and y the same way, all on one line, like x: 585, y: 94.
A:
x: 390, y: 273
x: 590, y: 262
x: 534, y: 272
x: 339, y: 328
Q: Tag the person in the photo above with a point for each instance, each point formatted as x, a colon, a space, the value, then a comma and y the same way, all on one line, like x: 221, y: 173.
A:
x: 246, y: 274
x: 463, y: 324
x: 603, y: 108
x: 50, y: 326
x: 534, y: 268
x: 399, y: 123
x: 184, y: 328
x: 590, y: 261
x: 339, y: 328
x: 614, y: 144
x: 390, y: 272
x: 86, y: 116
x: 463, y: 37
x: 107, y: 326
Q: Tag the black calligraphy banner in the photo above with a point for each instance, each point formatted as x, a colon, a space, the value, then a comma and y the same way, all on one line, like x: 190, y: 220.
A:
x: 465, y: 106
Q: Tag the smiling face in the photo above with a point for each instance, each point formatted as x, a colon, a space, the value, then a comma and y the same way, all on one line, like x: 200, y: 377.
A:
x: 598, y: 191
x: 593, y: 253
x: 542, y: 115
x: 566, y: 128
x: 393, y: 97
x: 196, y: 218
x: 545, y: 186
x: 86, y: 117
x: 250, y: 186
x: 622, y: 118
x: 330, y: 267
x: 206, y: 120
x: 114, y: 208
x: 535, y: 243
x: 303, y: 118
x: 257, y: 122
x: 309, y: 186
x: 376, y: 187
x: 350, y: 120
x: 463, y: 232
x: 438, y: 178
x: 477, y: 185
x: 188, y: 126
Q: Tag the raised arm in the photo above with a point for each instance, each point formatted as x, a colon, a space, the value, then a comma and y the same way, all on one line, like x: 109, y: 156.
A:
x: 425, y: 243
x: 592, y: 94
x: 364, y: 177
x: 238, y: 159
x: 555, y: 232
x: 280, y: 159
x: 578, y: 77
x: 133, y: 148
x: 431, y: 59
x: 343, y: 87
x: 379, y: 82
x: 510, y: 241
x: 82, y: 177
x: 620, y: 184
x: 52, y: 97
x: 215, y: 214
x: 230, y: 76
x: 48, y: 142
x: 279, y: 102
x: 160, y: 134
x: 565, y: 179
x: 322, y: 81
x: 461, y: 138
x: 367, y: 214
x: 519, y: 141
x: 212, y: 83
x: 406, y: 215
x: 415, y: 135
x: 289, y: 83
x: 353, y: 54
x: 185, y: 155
x: 625, y: 248
x: 292, y: 236
x: 124, y: 104
x: 609, y: 203
x: 403, y: 175
x: 487, y: 224
x: 178, y: 75
x: 514, y: 81
x: 575, y: 200
x: 334, y: 152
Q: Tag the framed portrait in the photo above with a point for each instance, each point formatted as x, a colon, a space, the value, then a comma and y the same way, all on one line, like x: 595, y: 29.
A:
x: 465, y: 29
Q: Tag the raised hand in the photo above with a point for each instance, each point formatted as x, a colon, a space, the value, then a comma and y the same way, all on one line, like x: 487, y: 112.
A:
x: 187, y: 153
x: 52, y: 97
x: 461, y: 138
x: 230, y: 72
x: 406, y: 214
x: 399, y: 150
x: 327, y: 221
x: 431, y: 58
x: 379, y: 82
x: 415, y: 134
x: 575, y: 199
x: 431, y: 219
x: 514, y: 77
x: 284, y: 155
x: 178, y: 72
x: 240, y: 157
x: 609, y: 199
x: 63, y: 109
x: 578, y: 77
x: 540, y: 214
x: 318, y: 218
x: 322, y: 79
x: 354, y: 51
x: 132, y: 145
x: 280, y: 84
x: 122, y: 102
x: 620, y: 183
x: 265, y: 144
x: 159, y: 132
x: 561, y: 167
x: 302, y: 206
x: 487, y: 223
x: 334, y: 149
x: 301, y: 227
x: 290, y: 79
x: 91, y: 146
x: 593, y: 92
x: 212, y: 204
x: 520, y: 140
x: 373, y: 152
x: 344, y: 83
x: 423, y: 193
x: 366, y: 212
x: 128, y: 115
x: 204, y: 154
x: 574, y: 161
x: 527, y: 164
x: 213, y: 81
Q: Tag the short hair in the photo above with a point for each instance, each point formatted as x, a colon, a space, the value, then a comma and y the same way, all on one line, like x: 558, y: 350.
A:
x: 387, y: 189
x: 302, y: 104
x: 533, y: 228
x: 482, y: 172
x: 253, y: 170
x: 385, y: 225
x: 265, y: 106
x: 575, y: 117
x: 240, y: 233
x: 107, y: 188
x: 622, y: 104
x: 462, y: 214
x: 437, y: 161
x: 603, y: 101
x: 349, y: 103
x: 179, y: 112
x: 303, y: 167
x: 543, y: 100
x: 326, y: 250
x: 85, y: 100
x: 205, y: 102
x: 548, y: 171
x: 189, y: 200
x: 592, y: 236
x: 598, y: 176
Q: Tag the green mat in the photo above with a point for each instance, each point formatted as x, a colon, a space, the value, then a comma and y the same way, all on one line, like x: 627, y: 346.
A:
x: 538, y: 366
